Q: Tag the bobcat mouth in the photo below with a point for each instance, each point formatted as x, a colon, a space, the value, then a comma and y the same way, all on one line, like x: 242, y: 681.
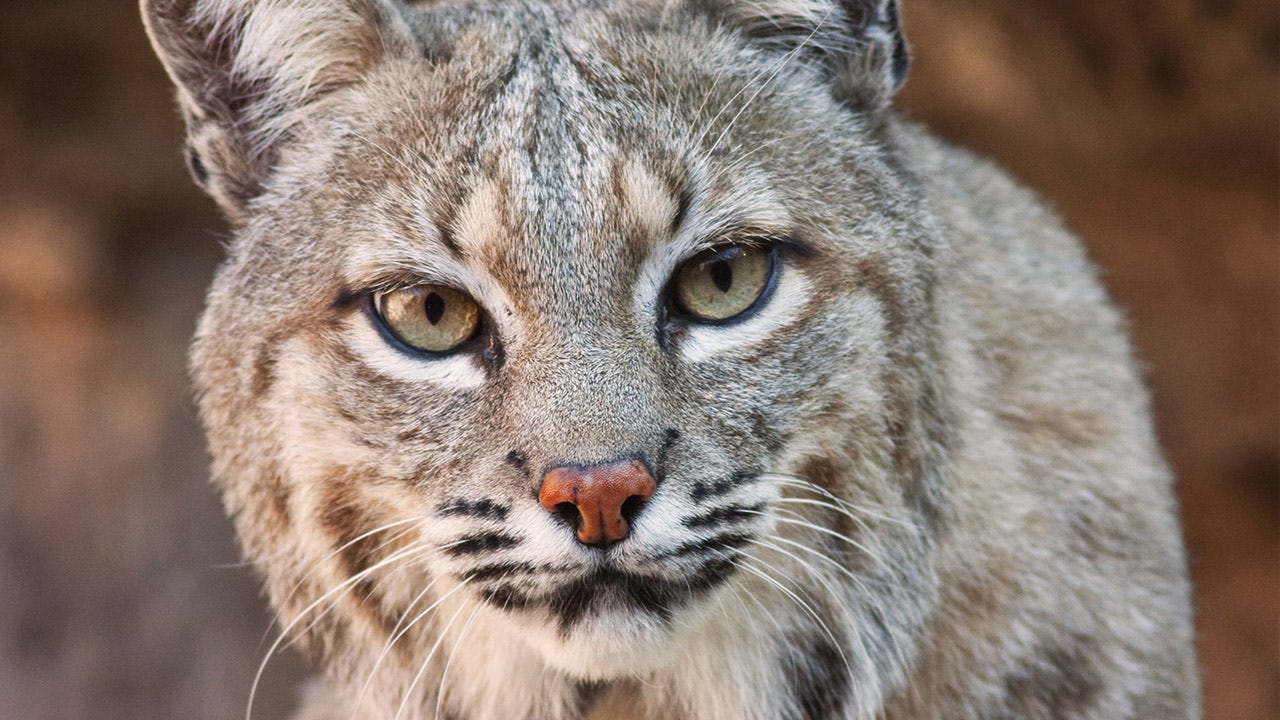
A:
x: 619, y: 590
x: 608, y: 588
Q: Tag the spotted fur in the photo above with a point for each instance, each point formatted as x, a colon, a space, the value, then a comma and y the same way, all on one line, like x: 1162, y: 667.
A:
x: 919, y: 481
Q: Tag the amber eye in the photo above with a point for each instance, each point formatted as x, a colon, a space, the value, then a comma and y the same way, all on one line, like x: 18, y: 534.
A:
x: 723, y: 282
x: 428, y: 317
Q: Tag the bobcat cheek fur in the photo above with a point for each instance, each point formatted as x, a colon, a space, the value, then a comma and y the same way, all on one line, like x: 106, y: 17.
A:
x: 916, y: 478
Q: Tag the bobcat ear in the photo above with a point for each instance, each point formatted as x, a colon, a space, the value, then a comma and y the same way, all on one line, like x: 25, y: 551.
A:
x: 860, y: 41
x: 247, y: 72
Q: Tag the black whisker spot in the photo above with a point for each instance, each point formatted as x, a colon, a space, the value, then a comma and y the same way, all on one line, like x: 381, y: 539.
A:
x: 713, y: 573
x: 652, y: 595
x: 726, y: 541
x: 669, y: 439
x: 506, y: 597
x: 499, y: 571
x: 656, y: 596
x: 703, y: 491
x: 730, y: 515
x: 517, y: 459
x: 482, y: 543
x: 482, y: 509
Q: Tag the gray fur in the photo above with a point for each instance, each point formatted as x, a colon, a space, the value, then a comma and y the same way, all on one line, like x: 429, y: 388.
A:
x: 922, y: 483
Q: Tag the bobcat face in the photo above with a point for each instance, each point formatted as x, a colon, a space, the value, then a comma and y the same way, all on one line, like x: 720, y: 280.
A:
x: 563, y: 203
x: 586, y: 329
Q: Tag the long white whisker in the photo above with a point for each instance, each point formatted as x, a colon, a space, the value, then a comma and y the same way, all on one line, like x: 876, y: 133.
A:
x: 840, y: 600
x: 408, y: 693
x: 797, y: 520
x: 745, y: 86
x: 868, y: 597
x: 453, y: 651
x: 421, y: 552
x: 697, y: 115
x: 826, y: 505
x: 801, y: 483
x: 415, y: 548
x: 805, y: 606
x: 739, y: 587
x: 363, y: 536
x: 396, y: 632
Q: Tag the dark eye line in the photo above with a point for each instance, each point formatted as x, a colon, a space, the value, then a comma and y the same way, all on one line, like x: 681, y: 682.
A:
x: 348, y: 298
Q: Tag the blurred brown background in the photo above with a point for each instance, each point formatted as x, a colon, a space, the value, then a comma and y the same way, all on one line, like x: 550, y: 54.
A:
x: 1153, y: 125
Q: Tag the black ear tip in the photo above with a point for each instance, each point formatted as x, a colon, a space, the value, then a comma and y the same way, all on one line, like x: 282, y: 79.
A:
x: 901, y: 61
x: 197, y: 167
x: 865, y: 13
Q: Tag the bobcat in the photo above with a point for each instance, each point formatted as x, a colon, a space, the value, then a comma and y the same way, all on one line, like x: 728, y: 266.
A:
x: 636, y: 360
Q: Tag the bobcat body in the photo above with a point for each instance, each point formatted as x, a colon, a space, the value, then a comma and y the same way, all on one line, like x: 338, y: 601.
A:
x: 915, y: 478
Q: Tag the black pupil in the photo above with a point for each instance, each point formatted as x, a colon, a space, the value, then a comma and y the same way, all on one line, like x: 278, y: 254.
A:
x: 434, y: 305
x: 721, y: 274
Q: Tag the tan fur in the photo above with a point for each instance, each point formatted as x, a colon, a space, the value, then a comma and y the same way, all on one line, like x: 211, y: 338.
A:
x: 919, y: 482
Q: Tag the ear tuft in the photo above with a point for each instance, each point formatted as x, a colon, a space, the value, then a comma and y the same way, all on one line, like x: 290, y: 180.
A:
x: 860, y: 41
x: 249, y: 71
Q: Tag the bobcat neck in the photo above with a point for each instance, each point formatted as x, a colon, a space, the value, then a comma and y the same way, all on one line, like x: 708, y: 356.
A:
x: 616, y: 702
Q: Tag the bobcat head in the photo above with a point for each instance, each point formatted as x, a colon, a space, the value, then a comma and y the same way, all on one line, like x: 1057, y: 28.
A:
x: 571, y: 344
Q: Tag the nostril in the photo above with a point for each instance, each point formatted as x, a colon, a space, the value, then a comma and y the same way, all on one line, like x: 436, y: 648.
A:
x: 631, y: 507
x: 569, y: 515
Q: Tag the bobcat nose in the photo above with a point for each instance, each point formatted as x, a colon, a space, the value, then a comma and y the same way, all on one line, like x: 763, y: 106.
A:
x: 600, y: 501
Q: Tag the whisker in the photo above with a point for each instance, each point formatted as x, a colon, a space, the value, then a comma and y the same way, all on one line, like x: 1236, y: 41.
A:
x: 697, y: 115
x: 805, y: 606
x: 338, y: 550
x: 453, y: 651
x: 728, y: 103
x: 799, y: 482
x: 868, y: 598
x: 797, y: 520
x: 841, y: 601
x: 737, y: 586
x: 423, y: 667
x: 396, y: 632
x: 413, y: 549
x: 827, y: 505
x: 337, y: 599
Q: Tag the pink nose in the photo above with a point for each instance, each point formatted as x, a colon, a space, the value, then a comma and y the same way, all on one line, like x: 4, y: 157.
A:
x: 599, y: 500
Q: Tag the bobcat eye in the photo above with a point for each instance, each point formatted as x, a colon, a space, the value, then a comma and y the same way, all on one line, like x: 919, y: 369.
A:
x: 432, y: 318
x: 723, y: 282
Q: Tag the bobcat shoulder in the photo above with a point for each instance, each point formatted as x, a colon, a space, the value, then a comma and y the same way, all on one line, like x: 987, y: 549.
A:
x: 577, y: 360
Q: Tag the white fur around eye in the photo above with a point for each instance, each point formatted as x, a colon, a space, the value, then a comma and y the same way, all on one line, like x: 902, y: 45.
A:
x: 788, y: 299
x: 458, y: 371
